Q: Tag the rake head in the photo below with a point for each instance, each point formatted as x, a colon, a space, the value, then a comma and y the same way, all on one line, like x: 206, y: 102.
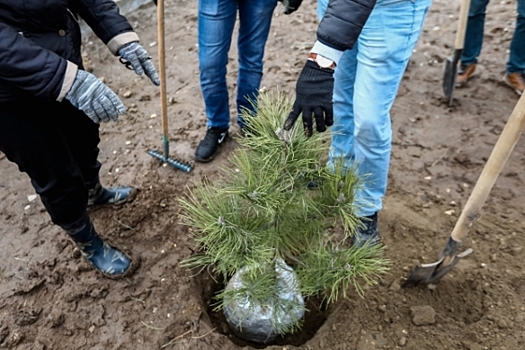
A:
x: 184, y: 166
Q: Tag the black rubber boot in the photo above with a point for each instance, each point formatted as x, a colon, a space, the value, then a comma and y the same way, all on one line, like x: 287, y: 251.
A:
x: 98, y: 195
x: 110, y: 261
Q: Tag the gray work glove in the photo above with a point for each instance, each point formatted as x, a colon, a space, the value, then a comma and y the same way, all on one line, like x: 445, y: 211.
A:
x: 137, y: 57
x: 94, y: 98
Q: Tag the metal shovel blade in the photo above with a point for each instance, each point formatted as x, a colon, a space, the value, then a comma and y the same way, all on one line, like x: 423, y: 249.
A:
x: 430, y: 273
x: 450, y: 75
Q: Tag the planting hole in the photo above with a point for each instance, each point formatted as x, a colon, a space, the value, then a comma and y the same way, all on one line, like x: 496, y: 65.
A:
x: 314, y: 318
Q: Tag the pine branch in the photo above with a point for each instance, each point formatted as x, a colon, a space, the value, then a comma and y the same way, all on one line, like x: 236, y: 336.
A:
x: 261, y: 209
x: 329, y: 271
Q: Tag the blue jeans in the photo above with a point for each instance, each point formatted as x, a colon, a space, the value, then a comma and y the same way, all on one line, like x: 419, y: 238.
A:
x: 215, y: 29
x: 474, y: 36
x: 366, y: 82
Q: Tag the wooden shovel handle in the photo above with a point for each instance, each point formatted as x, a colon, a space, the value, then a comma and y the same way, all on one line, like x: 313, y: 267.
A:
x: 462, y: 24
x: 162, y: 67
x: 501, y: 152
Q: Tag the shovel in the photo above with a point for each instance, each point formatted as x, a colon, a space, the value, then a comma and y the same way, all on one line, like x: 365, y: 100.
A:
x: 165, y: 156
x: 451, y: 64
x: 430, y: 273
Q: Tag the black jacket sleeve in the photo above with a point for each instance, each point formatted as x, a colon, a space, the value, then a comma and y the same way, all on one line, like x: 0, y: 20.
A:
x: 28, y: 66
x: 103, y: 16
x: 343, y: 22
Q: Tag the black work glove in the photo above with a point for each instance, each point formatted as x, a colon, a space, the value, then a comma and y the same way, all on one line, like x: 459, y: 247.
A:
x: 291, y: 5
x: 313, y: 95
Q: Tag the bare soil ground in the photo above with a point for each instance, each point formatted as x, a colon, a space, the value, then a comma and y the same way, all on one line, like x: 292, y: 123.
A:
x: 51, y: 299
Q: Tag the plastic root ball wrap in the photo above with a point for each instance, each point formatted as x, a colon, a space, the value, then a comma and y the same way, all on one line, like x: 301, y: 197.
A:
x: 262, y: 322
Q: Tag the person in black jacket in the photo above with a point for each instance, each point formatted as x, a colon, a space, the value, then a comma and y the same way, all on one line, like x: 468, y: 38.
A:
x: 368, y: 44
x: 50, y: 110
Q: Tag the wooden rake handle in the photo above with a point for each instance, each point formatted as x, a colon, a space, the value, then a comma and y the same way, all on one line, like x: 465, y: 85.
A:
x: 501, y: 152
x: 162, y: 68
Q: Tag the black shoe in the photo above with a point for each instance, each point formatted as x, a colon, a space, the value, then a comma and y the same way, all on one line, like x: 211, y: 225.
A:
x: 98, y: 195
x: 210, y: 144
x: 105, y: 258
x: 314, y: 184
x: 368, y: 233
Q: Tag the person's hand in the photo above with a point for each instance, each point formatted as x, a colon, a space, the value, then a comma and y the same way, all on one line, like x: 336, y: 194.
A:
x: 137, y: 57
x: 291, y: 6
x: 314, y: 91
x: 94, y: 98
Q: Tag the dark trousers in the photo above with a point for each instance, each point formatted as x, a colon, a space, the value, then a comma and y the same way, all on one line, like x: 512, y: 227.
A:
x: 57, y: 146
x: 474, y: 36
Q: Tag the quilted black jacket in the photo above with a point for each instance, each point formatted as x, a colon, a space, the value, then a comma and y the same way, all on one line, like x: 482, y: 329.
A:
x: 343, y: 22
x: 40, y: 43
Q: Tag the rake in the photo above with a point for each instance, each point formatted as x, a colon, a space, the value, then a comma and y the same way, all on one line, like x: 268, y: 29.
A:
x: 165, y: 156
